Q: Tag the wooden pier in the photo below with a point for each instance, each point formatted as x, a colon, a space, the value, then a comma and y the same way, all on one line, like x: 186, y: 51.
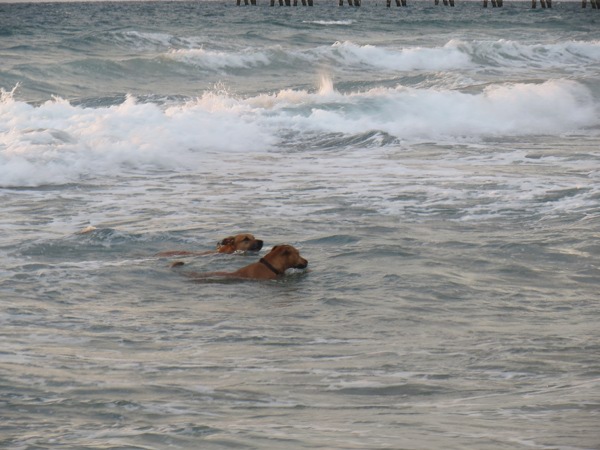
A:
x: 281, y: 2
x: 595, y: 4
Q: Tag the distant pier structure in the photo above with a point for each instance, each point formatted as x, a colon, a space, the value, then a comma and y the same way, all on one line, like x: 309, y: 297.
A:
x: 495, y: 3
x: 544, y: 3
x: 281, y: 2
x: 595, y: 3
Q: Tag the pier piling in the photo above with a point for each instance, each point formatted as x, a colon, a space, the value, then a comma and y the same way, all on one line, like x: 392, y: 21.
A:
x: 495, y: 3
x: 290, y: 2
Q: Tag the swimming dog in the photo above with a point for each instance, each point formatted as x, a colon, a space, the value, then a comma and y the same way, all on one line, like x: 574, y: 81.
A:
x: 244, y: 242
x: 270, y: 267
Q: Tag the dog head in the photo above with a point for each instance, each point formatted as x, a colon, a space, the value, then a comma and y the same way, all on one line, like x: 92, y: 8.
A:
x: 239, y: 243
x: 286, y: 257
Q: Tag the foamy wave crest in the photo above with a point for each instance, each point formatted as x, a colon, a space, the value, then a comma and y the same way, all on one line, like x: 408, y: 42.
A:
x: 507, y: 53
x: 329, y: 22
x: 417, y: 58
x: 217, y: 60
x: 457, y: 54
x: 141, y: 40
x: 552, y: 107
x: 340, y: 54
x: 58, y: 143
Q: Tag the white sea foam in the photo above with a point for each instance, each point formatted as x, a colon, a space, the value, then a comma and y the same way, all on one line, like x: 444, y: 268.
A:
x: 508, y: 53
x: 454, y: 55
x: 343, y: 54
x: 417, y: 58
x: 218, y: 60
x: 142, y: 40
x: 57, y: 142
x: 329, y: 22
x: 516, y: 109
x: 457, y: 54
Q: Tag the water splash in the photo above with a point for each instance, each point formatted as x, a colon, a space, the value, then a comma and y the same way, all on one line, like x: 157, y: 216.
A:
x: 325, y: 85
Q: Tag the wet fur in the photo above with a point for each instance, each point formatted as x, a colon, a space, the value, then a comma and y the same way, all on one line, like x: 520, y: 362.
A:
x: 276, y: 262
x: 244, y: 242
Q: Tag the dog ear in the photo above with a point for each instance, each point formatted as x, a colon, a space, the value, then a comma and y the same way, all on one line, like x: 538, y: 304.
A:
x: 283, y: 250
x: 227, y: 241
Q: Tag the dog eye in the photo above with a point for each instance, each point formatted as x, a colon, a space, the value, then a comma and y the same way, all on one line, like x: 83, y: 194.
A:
x: 246, y: 239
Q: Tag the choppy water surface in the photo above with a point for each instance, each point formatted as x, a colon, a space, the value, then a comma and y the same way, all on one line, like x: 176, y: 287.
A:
x: 439, y: 168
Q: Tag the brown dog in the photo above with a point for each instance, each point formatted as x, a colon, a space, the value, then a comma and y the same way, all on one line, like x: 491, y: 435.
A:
x: 273, y: 265
x: 239, y: 243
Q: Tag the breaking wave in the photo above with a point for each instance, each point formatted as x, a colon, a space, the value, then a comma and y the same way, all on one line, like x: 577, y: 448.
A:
x: 57, y: 142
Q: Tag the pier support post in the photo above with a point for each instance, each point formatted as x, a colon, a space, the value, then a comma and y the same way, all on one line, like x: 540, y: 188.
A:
x: 403, y: 2
x: 452, y: 3
x: 595, y: 4
x: 398, y: 3
x: 485, y: 3
x: 310, y: 2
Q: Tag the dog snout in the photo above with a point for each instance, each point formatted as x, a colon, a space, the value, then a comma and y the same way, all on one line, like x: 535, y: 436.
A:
x: 303, y: 264
x: 256, y: 245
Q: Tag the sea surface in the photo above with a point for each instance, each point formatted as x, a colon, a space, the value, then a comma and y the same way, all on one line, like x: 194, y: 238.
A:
x: 438, y: 167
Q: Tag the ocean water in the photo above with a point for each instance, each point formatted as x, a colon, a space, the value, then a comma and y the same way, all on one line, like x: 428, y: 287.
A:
x: 438, y: 167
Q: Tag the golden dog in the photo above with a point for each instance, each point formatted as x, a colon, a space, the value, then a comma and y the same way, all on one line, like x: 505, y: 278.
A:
x: 239, y: 243
x: 273, y: 265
